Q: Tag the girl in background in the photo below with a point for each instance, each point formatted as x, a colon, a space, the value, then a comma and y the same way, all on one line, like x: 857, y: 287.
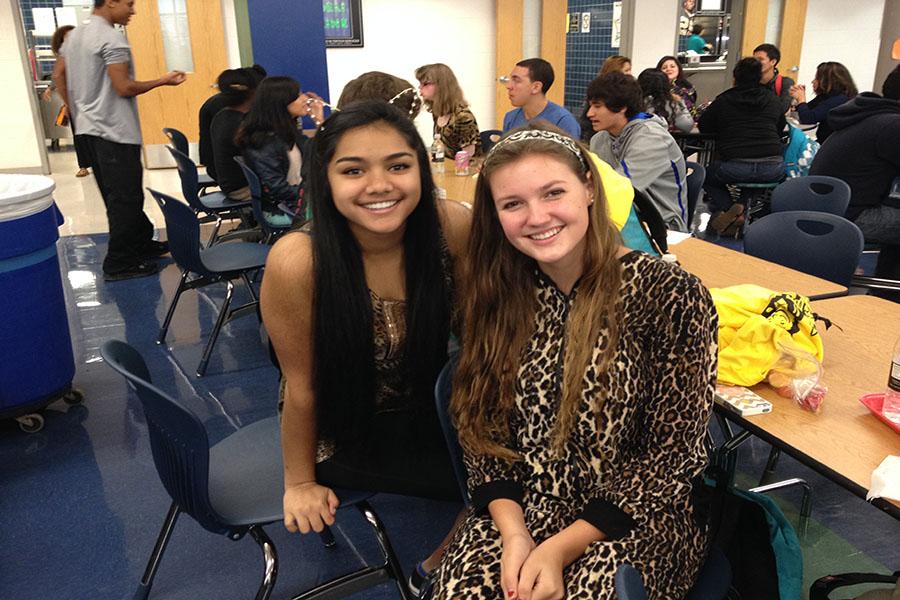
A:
x: 660, y: 100
x: 273, y: 145
x: 81, y: 153
x: 681, y: 87
x: 453, y: 120
x: 833, y: 86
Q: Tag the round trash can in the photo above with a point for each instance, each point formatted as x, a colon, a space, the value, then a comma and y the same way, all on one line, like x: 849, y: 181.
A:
x: 36, y: 360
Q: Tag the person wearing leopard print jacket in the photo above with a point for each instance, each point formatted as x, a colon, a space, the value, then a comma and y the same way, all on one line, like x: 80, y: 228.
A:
x: 583, y: 392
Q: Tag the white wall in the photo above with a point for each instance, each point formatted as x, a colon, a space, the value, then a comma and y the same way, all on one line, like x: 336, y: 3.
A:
x: 655, y: 28
x: 846, y: 32
x: 20, y: 149
x: 401, y: 35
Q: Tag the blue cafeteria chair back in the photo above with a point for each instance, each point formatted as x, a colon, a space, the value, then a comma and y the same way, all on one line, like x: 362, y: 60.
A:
x: 489, y: 137
x: 269, y: 231
x: 234, y: 487
x: 215, y: 205
x: 817, y: 243
x: 818, y: 193
x: 443, y: 389
x: 694, y: 186
x: 180, y: 143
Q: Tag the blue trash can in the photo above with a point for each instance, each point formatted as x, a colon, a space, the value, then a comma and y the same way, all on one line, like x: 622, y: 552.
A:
x: 36, y: 360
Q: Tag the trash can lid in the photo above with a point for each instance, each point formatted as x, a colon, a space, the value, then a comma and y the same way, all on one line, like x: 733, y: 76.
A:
x: 23, y: 195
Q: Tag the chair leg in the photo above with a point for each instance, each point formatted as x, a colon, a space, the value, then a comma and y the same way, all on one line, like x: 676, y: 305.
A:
x: 805, y: 501
x: 270, y: 556
x: 768, y: 474
x: 156, y: 556
x: 182, y: 285
x: 215, y: 232
x: 391, y: 564
x: 223, y: 315
x: 249, y: 285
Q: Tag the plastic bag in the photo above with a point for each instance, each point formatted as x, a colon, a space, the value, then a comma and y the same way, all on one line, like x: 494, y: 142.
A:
x: 798, y: 374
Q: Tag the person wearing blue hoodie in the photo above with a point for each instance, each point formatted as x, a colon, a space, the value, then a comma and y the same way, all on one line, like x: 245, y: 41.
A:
x: 638, y: 145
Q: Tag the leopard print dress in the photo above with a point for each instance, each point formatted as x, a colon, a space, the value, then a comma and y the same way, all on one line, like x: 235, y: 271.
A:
x: 632, y: 475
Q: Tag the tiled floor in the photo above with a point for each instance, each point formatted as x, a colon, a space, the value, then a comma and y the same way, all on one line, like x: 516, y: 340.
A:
x: 81, y: 502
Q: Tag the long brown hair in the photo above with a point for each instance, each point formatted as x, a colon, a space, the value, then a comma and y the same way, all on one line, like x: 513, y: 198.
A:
x: 500, y: 303
x: 448, y: 96
x: 615, y: 63
x: 833, y: 78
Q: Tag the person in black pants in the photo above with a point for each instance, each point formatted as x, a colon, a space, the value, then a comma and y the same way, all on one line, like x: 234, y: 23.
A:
x: 94, y: 75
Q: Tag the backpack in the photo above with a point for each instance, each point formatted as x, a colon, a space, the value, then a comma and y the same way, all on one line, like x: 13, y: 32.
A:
x: 778, y: 84
x: 799, y: 153
x: 761, y: 545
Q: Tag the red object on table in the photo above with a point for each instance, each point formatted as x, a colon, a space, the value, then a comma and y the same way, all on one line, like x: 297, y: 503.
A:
x: 873, y: 402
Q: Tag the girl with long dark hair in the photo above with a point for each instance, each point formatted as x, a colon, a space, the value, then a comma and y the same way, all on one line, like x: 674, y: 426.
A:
x: 273, y: 145
x: 659, y: 100
x: 680, y: 85
x: 583, y: 392
x: 359, y: 311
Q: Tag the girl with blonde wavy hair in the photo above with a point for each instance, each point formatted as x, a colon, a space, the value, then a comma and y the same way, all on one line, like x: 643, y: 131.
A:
x: 583, y: 391
x: 453, y: 120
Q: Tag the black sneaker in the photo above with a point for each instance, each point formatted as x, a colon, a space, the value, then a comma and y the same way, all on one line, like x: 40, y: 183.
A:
x: 139, y: 270
x: 154, y: 249
x: 421, y: 582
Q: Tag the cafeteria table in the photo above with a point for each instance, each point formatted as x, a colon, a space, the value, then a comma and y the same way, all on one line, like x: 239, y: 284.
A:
x: 843, y: 441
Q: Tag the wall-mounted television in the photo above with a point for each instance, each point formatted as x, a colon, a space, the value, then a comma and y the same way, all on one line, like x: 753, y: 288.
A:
x: 343, y: 23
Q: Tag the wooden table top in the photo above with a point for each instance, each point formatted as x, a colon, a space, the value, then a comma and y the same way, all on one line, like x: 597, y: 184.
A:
x: 717, y: 266
x: 843, y: 436
x: 459, y: 187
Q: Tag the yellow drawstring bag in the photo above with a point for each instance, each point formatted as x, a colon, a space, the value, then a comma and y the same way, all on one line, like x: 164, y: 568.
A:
x: 756, y: 325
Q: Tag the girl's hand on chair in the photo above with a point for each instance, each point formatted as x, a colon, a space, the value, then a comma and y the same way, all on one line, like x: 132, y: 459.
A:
x: 541, y: 577
x: 516, y: 549
x: 309, y: 507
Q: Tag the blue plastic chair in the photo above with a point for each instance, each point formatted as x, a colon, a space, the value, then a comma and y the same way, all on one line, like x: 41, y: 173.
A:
x: 270, y: 231
x: 234, y: 487
x: 817, y: 193
x: 489, y: 138
x: 215, y: 206
x: 220, y: 263
x: 694, y: 186
x: 180, y: 143
x: 817, y: 243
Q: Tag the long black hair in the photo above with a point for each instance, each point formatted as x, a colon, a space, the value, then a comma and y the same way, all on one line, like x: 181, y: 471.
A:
x: 344, y: 354
x: 657, y: 91
x: 269, y: 114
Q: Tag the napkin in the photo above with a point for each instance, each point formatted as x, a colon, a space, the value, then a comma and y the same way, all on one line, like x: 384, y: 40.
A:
x: 886, y: 480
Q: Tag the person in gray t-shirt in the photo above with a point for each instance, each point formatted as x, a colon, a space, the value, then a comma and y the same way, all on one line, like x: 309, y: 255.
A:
x: 94, y: 74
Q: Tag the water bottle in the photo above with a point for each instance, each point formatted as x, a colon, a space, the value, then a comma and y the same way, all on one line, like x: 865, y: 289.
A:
x: 437, y: 153
x: 891, y: 407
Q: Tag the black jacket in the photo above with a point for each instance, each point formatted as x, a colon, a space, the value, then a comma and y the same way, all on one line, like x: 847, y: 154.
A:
x: 863, y: 150
x: 747, y: 122
x: 270, y: 163
x: 227, y: 172
x: 208, y: 111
